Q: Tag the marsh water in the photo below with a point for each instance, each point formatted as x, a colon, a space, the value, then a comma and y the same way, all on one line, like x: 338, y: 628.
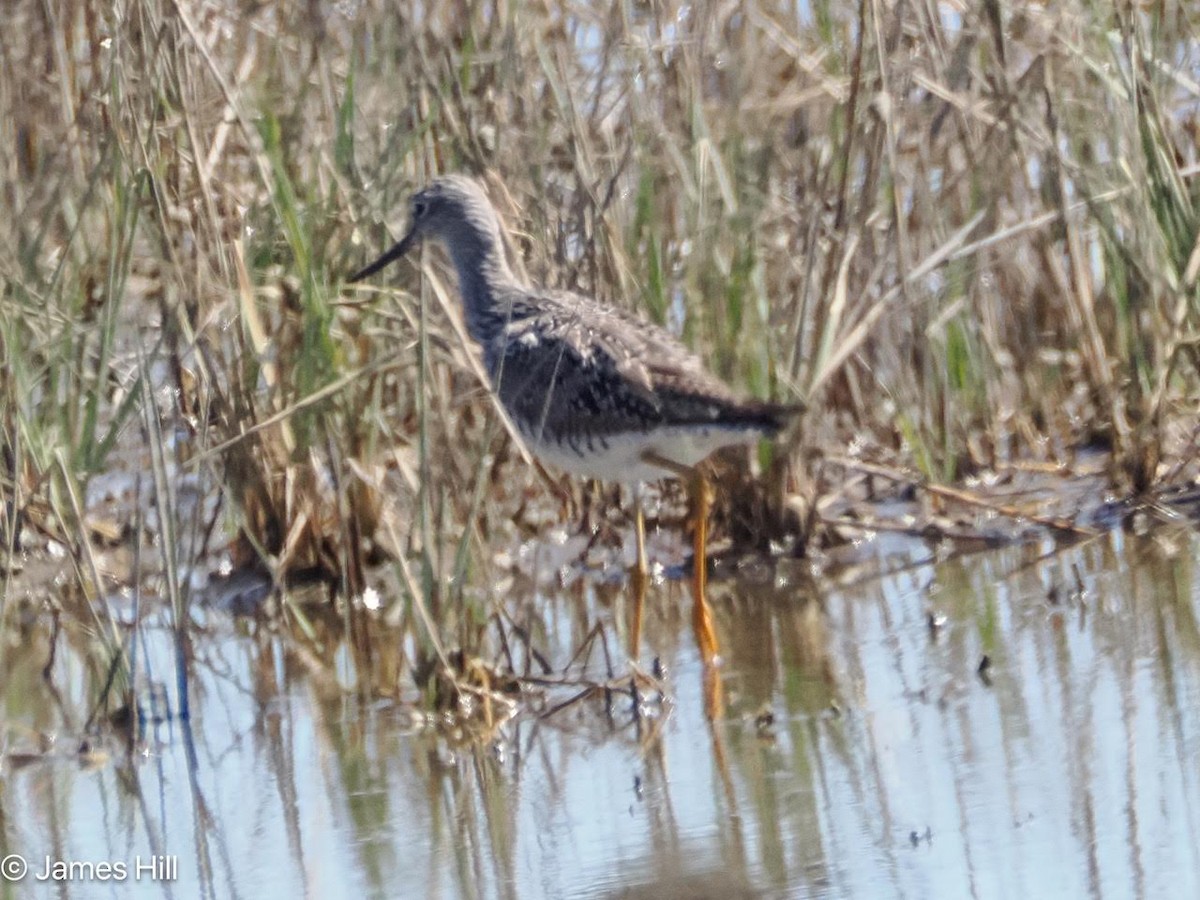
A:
x: 865, y: 749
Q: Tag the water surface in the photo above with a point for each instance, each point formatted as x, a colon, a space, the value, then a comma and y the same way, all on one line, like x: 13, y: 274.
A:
x: 862, y: 752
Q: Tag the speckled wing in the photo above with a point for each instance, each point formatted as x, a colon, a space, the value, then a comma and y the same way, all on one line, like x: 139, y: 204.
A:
x: 575, y: 367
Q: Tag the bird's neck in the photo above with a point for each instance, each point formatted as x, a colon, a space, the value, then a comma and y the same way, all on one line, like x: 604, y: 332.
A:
x: 485, y: 282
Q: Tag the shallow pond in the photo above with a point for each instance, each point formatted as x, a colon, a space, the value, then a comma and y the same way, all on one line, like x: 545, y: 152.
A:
x: 863, y: 751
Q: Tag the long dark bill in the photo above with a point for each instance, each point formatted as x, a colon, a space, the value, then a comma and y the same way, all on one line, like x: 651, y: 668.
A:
x: 391, y: 256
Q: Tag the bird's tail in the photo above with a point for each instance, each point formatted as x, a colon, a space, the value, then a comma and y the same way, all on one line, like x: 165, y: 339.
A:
x: 770, y: 418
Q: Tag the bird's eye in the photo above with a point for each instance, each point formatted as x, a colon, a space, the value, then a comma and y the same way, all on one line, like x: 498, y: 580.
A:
x: 419, y: 208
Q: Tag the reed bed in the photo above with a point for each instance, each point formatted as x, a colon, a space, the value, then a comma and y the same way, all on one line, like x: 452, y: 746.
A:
x: 965, y: 234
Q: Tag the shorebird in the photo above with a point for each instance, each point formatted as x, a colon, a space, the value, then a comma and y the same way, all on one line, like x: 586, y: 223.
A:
x: 590, y: 389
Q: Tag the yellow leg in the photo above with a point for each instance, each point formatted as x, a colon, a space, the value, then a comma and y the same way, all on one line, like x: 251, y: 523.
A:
x: 702, y: 621
x: 640, y: 576
x: 700, y: 492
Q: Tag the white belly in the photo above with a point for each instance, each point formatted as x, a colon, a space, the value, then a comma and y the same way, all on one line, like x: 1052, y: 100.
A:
x: 619, y: 457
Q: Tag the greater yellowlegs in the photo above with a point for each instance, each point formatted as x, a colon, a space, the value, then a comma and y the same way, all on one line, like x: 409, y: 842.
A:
x: 591, y: 389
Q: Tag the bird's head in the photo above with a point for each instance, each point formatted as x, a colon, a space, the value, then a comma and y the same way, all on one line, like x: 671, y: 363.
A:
x: 451, y: 208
